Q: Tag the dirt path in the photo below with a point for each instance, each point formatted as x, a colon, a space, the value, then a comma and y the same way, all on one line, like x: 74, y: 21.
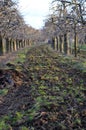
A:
x: 47, y: 93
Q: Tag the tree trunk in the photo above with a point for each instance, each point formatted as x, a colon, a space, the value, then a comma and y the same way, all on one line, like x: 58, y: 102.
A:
x: 60, y: 44
x: 75, y: 41
x: 15, y: 47
x: 52, y: 43
x: 85, y: 39
x: 65, y: 44
x: 57, y: 44
x: 7, y: 45
x: 3, y: 45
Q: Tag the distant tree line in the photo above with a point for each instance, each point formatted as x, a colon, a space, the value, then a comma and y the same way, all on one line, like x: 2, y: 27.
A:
x: 14, y: 33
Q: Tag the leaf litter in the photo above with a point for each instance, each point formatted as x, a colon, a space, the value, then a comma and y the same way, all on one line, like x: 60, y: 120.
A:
x: 46, y: 93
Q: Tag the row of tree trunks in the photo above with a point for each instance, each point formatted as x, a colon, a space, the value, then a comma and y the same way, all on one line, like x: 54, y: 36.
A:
x: 8, y: 45
x: 62, y: 44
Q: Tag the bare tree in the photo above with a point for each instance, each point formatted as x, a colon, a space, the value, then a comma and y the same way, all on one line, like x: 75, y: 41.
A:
x: 14, y: 33
x: 68, y: 16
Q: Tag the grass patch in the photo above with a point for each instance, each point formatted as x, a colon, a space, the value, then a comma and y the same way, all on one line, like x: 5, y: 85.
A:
x: 21, y: 56
x: 83, y: 47
x: 3, y: 92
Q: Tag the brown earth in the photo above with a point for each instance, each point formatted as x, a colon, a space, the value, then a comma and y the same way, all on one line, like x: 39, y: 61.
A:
x: 47, y: 94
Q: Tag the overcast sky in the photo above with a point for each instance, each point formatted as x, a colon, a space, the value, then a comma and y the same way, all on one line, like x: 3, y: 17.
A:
x: 34, y: 11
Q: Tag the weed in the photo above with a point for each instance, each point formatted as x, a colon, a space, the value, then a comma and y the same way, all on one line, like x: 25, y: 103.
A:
x: 3, y: 92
